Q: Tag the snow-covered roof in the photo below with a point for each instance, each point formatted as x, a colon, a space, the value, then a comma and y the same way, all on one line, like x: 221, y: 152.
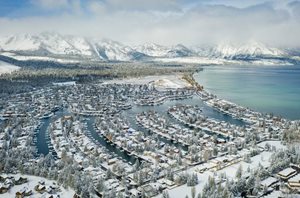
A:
x: 287, y: 172
x: 269, y: 181
x: 295, y: 179
x: 274, y: 194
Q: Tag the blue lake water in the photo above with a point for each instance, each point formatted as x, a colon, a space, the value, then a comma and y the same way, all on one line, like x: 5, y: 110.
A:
x: 271, y: 89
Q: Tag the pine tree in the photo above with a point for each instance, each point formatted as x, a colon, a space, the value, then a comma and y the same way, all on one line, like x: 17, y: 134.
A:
x: 239, y: 172
x: 165, y: 194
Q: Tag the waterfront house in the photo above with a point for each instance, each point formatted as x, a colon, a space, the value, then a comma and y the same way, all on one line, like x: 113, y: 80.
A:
x: 287, y: 173
x: 269, y: 182
x: 294, y: 183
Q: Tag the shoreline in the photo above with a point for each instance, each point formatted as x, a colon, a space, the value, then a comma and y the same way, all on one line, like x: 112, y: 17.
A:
x: 187, y: 80
x: 266, y: 96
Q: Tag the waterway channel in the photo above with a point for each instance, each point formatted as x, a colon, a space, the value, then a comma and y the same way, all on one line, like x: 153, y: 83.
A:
x: 44, y: 145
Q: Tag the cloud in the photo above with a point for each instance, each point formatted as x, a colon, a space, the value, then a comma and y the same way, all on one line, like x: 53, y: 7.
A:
x: 168, y: 22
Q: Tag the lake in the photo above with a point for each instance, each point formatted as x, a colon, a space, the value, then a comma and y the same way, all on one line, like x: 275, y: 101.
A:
x: 271, y: 89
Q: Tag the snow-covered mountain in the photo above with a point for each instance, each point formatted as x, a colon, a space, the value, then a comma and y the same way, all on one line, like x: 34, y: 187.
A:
x: 115, y: 51
x: 247, y: 51
x: 47, y: 43
x: 155, y: 50
x: 52, y: 46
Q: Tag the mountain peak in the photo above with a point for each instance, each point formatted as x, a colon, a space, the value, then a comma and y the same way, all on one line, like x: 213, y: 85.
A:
x: 52, y: 44
x: 248, y: 49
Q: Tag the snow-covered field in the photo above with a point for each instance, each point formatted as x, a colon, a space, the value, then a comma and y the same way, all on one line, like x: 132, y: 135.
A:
x: 38, y: 58
x: 7, y: 68
x: 195, y: 60
x: 32, y: 182
x: 161, y: 82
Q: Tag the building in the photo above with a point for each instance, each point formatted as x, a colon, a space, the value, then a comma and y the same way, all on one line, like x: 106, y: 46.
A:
x: 294, y: 182
x: 269, y: 182
x: 287, y: 173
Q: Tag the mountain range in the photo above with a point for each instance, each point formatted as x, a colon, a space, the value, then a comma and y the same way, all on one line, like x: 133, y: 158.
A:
x: 56, y: 47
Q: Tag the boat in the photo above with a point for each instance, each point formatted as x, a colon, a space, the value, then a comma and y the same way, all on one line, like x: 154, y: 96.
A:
x: 47, y: 115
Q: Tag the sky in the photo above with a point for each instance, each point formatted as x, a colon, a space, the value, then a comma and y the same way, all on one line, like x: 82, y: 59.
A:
x: 168, y: 22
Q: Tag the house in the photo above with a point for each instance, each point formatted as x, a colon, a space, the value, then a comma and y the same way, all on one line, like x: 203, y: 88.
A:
x: 23, y: 193
x: 287, y: 173
x: 40, y: 188
x: 3, y: 188
x: 294, y: 182
x: 112, y: 161
x: 149, y: 191
x: 51, y: 189
x: 269, y: 182
x: 3, y: 178
x: 134, y: 193
x: 167, y: 182
x: 9, y: 182
x: 20, y: 180
x: 296, y: 167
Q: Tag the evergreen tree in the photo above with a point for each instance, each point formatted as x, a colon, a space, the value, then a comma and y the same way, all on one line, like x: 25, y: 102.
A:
x: 239, y: 172
x: 165, y: 194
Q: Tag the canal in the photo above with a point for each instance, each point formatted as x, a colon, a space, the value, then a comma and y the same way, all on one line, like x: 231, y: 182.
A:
x: 90, y: 121
x: 43, y: 139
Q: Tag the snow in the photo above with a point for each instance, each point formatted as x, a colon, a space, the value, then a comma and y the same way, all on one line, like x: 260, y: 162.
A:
x: 19, y: 43
x: 32, y: 182
x: 269, y: 181
x: 220, y: 61
x: 230, y: 171
x: 276, y: 144
x: 287, y: 171
x: 7, y: 68
x: 51, y: 42
x: 38, y: 58
x: 270, y: 62
x: 295, y: 179
x: 195, y: 60
x: 164, y: 81
x: 152, y: 49
x: 155, y: 50
x: 251, y: 48
x: 114, y: 51
x: 69, y: 83
x: 274, y: 194
x: 108, y: 50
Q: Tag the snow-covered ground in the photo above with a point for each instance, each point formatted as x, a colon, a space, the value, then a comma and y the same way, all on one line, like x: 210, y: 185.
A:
x: 32, y: 182
x: 161, y: 82
x: 230, y: 171
x: 38, y: 58
x: 195, y: 60
x: 221, y: 61
x: 7, y: 68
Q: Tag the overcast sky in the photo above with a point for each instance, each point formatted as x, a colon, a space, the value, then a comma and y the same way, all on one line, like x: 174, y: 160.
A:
x: 190, y: 22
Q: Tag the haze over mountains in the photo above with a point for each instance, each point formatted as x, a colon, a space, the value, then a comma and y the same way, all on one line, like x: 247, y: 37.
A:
x: 56, y: 47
